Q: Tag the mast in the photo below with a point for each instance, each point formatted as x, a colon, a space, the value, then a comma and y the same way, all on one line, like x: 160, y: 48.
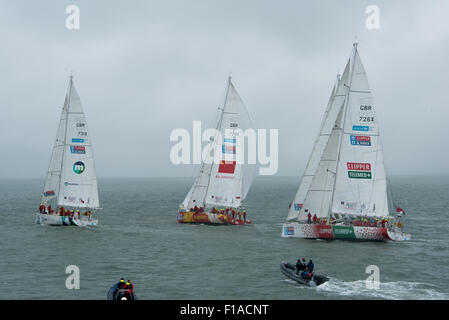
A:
x: 218, y: 128
x: 65, y: 135
x: 342, y: 128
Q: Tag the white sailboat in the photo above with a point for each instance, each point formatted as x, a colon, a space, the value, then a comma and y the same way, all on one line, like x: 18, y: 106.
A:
x: 70, y: 191
x: 343, y: 193
x: 217, y: 195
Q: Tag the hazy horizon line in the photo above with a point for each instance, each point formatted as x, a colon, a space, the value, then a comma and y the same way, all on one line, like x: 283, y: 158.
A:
x: 177, y: 177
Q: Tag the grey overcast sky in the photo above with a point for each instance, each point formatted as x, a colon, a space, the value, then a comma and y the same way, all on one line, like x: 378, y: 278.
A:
x: 144, y: 68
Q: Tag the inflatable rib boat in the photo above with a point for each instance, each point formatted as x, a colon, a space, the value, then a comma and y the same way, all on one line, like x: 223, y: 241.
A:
x: 117, y: 294
x: 289, y: 270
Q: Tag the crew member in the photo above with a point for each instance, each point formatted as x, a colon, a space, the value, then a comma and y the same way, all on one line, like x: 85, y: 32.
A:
x: 121, y: 283
x: 310, y: 266
x: 299, y: 266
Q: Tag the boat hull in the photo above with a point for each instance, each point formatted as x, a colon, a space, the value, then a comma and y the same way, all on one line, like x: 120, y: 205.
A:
x: 334, y: 232
x: 289, y: 270
x: 56, y: 220
x: 208, y: 218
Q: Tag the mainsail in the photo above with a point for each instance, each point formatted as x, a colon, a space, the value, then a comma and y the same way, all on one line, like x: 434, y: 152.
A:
x: 71, y: 179
x: 345, y: 173
x: 224, y: 181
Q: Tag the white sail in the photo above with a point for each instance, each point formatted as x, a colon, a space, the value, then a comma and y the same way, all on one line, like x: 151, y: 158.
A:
x: 226, y: 182
x: 334, y: 107
x: 197, y: 193
x: 361, y: 186
x: 71, y: 177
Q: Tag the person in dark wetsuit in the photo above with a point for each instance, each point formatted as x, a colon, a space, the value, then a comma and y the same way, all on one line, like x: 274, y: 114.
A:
x: 121, y: 284
x: 310, y: 266
x: 300, y: 266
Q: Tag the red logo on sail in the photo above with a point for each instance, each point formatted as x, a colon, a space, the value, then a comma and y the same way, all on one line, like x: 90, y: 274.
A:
x: 359, y: 166
x: 226, y: 167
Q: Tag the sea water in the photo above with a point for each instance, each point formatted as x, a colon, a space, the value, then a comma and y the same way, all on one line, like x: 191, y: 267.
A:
x: 139, y: 239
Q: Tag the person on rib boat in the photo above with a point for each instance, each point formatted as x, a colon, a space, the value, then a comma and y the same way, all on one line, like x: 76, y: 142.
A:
x: 299, y: 266
x: 121, y: 284
x: 310, y: 266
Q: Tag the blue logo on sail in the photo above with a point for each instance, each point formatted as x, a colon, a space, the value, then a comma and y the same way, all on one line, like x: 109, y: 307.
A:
x: 77, y: 140
x: 360, y: 128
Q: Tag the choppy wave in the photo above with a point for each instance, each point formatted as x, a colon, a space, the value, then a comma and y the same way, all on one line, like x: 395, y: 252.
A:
x: 396, y: 290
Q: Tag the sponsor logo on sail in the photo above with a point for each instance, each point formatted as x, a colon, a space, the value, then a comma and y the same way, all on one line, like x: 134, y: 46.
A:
x: 78, y: 149
x: 226, y: 167
x: 79, y: 167
x: 49, y: 193
x: 298, y: 206
x: 358, y: 166
x: 359, y: 175
x: 361, y: 128
x: 76, y: 140
x: 363, y: 170
x: 228, y: 149
x: 360, y: 140
x: 70, y: 184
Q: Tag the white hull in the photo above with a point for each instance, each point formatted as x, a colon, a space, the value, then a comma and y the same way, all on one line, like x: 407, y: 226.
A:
x: 56, y: 220
x: 398, y: 235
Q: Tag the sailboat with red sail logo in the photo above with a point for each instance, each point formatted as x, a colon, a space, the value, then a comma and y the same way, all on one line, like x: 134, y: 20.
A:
x: 217, y: 195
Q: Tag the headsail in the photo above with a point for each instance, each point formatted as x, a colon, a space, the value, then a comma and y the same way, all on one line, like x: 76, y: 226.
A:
x: 345, y: 173
x: 224, y: 181
x: 71, y: 177
x: 319, y: 154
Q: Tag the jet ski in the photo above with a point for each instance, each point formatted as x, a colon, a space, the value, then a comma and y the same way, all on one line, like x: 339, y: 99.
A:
x: 117, y: 294
x: 289, y: 270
